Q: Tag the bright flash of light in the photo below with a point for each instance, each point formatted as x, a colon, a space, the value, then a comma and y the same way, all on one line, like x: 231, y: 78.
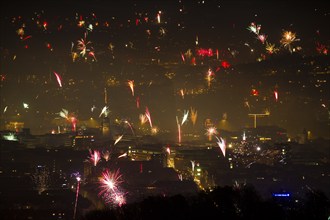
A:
x: 154, y: 130
x: 322, y: 49
x: 131, y: 86
x: 106, y: 155
x: 276, y: 95
x: 77, y: 195
x: 143, y: 119
x: 92, y: 54
x: 20, y: 32
x: 244, y: 136
x: 147, y: 114
x: 118, y: 139
x: 222, y: 144
x: 119, y: 199
x: 104, y: 111
x: 158, y: 16
x: 109, y: 181
x: 192, y: 165
x: 94, y: 157
x: 254, y: 28
x: 64, y: 113
x: 211, y: 131
x: 288, y: 38
x: 262, y: 38
x: 185, y: 116
x: 73, y: 123
x: 82, y: 46
x: 209, y: 76
x: 25, y: 105
x: 182, y: 57
x: 270, y: 48
x: 58, y: 78
x: 182, y: 93
x: 193, y: 115
x: 122, y: 155
x: 10, y: 137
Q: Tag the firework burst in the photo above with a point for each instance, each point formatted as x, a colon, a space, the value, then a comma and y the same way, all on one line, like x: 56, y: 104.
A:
x: 110, y: 190
x: 288, y: 38
x: 270, y: 48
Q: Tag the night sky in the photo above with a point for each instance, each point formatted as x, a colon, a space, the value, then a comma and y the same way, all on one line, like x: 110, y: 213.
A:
x: 127, y: 42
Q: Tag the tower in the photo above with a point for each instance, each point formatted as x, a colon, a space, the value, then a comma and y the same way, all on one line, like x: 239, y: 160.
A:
x: 105, y: 126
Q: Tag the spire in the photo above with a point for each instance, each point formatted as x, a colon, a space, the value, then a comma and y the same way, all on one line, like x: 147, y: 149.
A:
x: 105, y: 96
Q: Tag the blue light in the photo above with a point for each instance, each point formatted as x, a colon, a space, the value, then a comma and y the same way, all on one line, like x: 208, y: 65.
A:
x: 281, y: 194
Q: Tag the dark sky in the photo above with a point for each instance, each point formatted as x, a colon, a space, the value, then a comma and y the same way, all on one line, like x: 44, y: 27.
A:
x: 217, y: 24
x: 221, y: 20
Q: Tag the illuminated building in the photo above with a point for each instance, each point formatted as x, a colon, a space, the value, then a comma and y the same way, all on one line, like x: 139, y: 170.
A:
x: 14, y: 126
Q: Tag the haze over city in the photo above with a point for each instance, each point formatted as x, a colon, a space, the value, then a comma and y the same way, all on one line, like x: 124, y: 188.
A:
x: 203, y: 93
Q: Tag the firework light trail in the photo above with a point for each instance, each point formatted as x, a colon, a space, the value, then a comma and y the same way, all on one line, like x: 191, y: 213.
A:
x: 158, y: 16
x: 94, y: 157
x: 222, y: 144
x: 137, y: 102
x: 182, y: 57
x: 244, y: 136
x: 193, y: 115
x: 168, y: 150
x: 179, y: 130
x: 185, y: 116
x: 106, y: 155
x: 276, y: 95
x: 143, y: 119
x: 182, y: 93
x: 64, y: 113
x: 77, y: 195
x: 74, y: 123
x: 130, y: 126
x: 131, y: 86
x: 58, y: 78
x: 209, y: 77
x: 192, y: 165
x: 122, y: 155
x: 118, y: 139
x: 104, y: 111
x: 147, y: 114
